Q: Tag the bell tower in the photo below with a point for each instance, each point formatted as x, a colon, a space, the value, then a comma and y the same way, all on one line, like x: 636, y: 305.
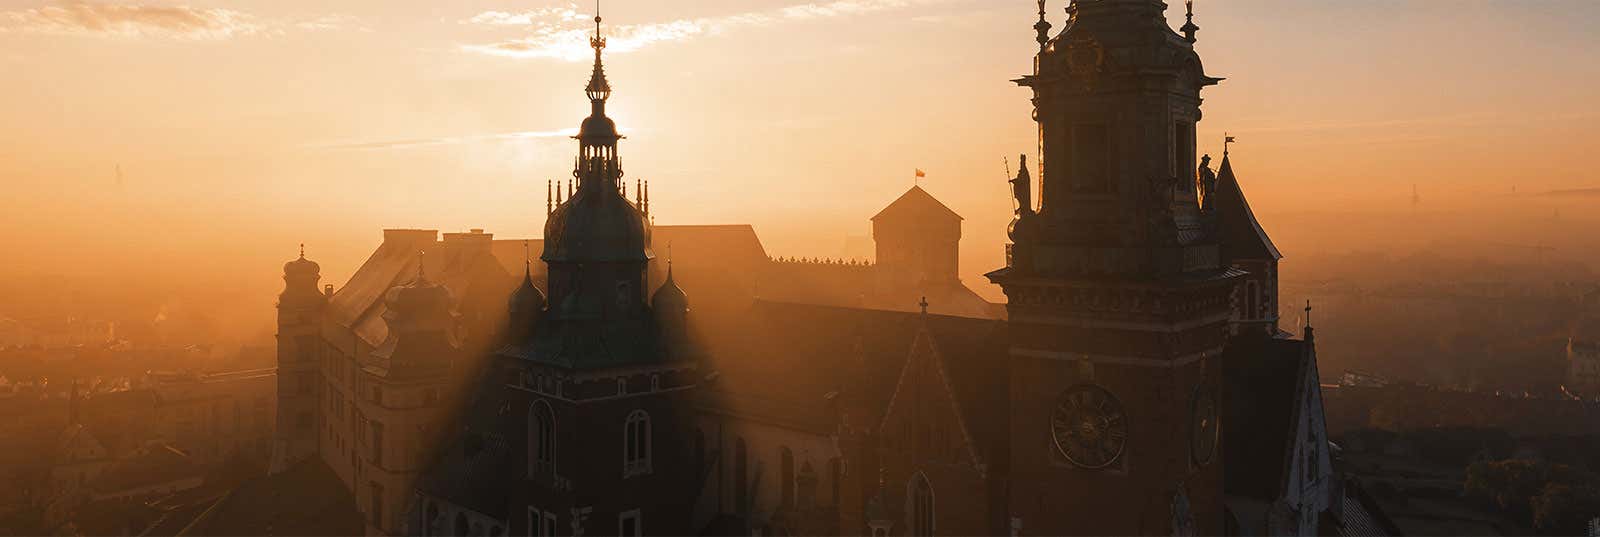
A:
x: 1118, y: 301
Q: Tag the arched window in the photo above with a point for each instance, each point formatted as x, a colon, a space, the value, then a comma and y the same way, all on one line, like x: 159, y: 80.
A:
x: 786, y: 477
x: 741, y: 476
x: 430, y: 524
x: 921, y: 506
x: 541, y: 438
x: 636, y: 444
x: 462, y: 529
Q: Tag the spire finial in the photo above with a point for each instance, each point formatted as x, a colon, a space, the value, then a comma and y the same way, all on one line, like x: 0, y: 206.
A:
x: 598, y: 89
x: 527, y: 259
x: 924, y: 304
x: 1308, y: 313
x: 302, y: 250
x: 1043, y: 27
x: 549, y: 206
x: 669, y: 260
x: 1189, y: 27
x: 1226, y: 141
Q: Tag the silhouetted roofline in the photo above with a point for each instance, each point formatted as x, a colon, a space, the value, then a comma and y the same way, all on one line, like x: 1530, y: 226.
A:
x: 1242, y: 235
x: 915, y: 195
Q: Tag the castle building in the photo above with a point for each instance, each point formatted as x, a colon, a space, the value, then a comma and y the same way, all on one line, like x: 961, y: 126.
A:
x: 1136, y: 382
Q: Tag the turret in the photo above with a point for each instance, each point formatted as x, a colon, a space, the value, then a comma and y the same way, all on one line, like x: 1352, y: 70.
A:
x: 420, y: 321
x: 671, y: 307
x: 527, y: 305
x: 300, y: 311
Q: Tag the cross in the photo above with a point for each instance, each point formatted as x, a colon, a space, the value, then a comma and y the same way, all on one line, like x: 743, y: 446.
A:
x: 924, y: 304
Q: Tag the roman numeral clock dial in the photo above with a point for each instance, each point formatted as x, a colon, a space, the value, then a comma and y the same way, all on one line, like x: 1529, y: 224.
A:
x: 1089, y: 427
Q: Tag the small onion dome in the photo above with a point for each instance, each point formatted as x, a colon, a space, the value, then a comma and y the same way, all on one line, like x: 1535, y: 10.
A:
x: 418, y: 301
x: 599, y: 129
x: 302, y: 267
x: 670, y: 298
x: 527, y: 298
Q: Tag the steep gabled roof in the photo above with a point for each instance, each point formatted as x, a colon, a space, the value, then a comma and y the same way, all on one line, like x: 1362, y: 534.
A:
x: 1263, y: 388
x: 1242, y: 235
x: 967, y: 357
x: 916, y: 204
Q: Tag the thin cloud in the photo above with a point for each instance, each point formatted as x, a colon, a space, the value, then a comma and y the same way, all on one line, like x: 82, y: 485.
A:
x: 563, y: 33
x: 131, y: 20
x: 176, y: 22
x: 446, y: 140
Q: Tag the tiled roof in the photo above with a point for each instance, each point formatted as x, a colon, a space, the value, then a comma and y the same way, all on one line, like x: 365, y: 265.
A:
x: 916, y: 204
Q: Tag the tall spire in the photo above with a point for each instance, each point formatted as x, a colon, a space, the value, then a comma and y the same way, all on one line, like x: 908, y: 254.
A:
x: 598, y: 89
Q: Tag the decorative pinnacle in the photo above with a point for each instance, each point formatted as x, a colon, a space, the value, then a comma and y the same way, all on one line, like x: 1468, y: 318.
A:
x: 598, y: 89
x: 422, y: 275
x: 1189, y: 28
x: 302, y: 250
x: 1043, y: 27
x: 924, y: 304
x: 527, y: 259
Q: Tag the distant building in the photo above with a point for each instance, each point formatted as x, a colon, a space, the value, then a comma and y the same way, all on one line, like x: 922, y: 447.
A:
x: 1583, y: 348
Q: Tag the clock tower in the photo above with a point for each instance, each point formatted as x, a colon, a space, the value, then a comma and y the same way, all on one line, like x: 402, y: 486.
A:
x: 1119, y: 304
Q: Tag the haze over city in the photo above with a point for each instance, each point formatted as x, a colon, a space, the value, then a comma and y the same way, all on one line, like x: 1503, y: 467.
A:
x: 1424, y: 169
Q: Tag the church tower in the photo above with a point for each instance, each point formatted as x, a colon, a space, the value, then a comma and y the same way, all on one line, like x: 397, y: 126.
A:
x: 1118, y: 299
x: 300, y: 308
x: 604, y: 391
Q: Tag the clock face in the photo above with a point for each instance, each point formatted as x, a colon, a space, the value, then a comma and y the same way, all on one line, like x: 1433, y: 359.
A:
x: 1089, y: 427
x: 1204, y: 425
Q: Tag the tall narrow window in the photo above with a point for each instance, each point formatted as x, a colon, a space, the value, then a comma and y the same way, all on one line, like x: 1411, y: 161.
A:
x: 1183, y: 152
x: 377, y: 443
x: 741, y: 476
x: 430, y: 522
x: 921, y: 506
x: 699, y: 454
x: 629, y: 524
x: 636, y: 444
x: 549, y: 527
x: 1252, y: 300
x: 786, y: 477
x: 541, y: 438
x: 1091, y: 156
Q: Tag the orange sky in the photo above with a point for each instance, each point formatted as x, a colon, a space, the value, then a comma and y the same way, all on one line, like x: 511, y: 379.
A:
x: 244, y: 127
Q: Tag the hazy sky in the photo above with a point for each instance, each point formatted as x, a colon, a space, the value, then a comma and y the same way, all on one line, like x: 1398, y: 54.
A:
x: 244, y: 127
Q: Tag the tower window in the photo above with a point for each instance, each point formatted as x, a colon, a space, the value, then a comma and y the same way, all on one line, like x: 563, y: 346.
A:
x: 921, y: 506
x: 741, y: 476
x: 1252, y: 300
x: 629, y: 524
x: 1183, y: 165
x: 541, y: 438
x: 636, y: 444
x: 1091, y: 157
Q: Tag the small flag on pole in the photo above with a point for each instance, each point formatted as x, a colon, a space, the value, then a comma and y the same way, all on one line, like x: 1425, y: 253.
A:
x: 921, y: 173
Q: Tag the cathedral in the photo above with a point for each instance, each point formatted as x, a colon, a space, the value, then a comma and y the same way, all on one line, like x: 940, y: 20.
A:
x: 619, y: 378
